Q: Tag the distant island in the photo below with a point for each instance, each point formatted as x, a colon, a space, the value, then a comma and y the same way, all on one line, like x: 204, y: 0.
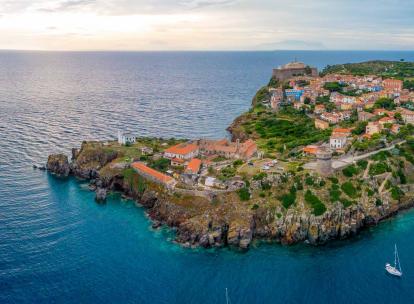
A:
x: 317, y: 157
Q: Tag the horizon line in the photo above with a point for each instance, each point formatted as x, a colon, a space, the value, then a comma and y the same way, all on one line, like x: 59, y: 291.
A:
x: 235, y: 50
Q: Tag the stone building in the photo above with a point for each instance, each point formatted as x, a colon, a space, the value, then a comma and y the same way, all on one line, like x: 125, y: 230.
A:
x: 293, y: 69
x: 324, y: 161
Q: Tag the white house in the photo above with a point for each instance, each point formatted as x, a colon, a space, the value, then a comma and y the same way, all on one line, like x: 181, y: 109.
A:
x: 124, y: 139
x: 337, y: 141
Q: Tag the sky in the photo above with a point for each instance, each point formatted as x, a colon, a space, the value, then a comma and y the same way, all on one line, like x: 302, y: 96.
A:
x: 207, y: 24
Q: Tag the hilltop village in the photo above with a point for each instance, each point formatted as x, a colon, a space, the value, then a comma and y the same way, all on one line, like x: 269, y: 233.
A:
x: 317, y: 157
x: 366, y: 106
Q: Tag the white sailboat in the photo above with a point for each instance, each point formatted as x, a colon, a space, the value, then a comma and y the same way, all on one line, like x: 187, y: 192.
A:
x: 396, y: 269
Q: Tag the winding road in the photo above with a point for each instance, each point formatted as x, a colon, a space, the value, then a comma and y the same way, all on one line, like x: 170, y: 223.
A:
x: 350, y: 159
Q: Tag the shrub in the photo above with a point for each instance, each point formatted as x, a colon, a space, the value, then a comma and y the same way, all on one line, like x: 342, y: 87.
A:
x: 318, y: 207
x: 334, y: 180
x: 370, y: 192
x: 396, y: 193
x: 259, y: 176
x: 309, y: 181
x: 334, y: 194
x: 350, y: 171
x: 255, y: 206
x: 401, y: 175
x: 244, y: 194
x: 362, y: 163
x: 346, y: 203
x: 349, y: 189
x: 237, y: 163
x: 381, y: 156
x: 289, y: 198
x: 378, y: 202
x: 227, y: 172
x: 378, y: 168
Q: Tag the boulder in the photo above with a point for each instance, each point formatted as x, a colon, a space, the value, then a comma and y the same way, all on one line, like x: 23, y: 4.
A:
x: 100, y: 195
x: 58, y: 164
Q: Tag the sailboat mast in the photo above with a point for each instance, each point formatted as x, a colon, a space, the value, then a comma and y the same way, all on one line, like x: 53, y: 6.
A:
x: 395, y: 255
x: 227, y: 296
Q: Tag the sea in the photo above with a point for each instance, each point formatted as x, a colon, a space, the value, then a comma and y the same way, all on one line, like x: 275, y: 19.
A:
x: 58, y: 246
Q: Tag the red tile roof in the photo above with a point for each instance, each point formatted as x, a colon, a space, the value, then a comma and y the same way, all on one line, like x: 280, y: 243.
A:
x: 140, y: 167
x: 193, y: 166
x: 182, y: 149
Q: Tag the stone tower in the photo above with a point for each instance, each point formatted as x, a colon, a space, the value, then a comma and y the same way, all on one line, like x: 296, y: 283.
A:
x: 324, y: 161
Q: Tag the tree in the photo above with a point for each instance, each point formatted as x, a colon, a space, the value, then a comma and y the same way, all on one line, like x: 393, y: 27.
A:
x: 308, y: 70
x: 398, y: 117
x: 360, y: 128
x: 386, y: 103
x: 333, y: 86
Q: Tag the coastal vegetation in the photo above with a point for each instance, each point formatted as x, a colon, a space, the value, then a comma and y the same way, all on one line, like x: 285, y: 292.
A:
x: 282, y: 131
x: 398, y: 69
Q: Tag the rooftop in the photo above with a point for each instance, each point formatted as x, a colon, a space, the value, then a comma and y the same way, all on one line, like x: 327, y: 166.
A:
x: 182, y: 149
x: 154, y: 173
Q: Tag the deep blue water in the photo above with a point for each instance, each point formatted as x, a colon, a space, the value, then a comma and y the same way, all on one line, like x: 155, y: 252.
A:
x: 57, y: 245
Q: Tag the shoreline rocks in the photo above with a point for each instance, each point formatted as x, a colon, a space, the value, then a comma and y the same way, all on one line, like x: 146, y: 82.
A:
x: 58, y: 164
x: 219, y: 226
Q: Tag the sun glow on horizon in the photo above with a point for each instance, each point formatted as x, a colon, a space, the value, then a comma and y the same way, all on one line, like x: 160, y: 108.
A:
x: 204, y: 25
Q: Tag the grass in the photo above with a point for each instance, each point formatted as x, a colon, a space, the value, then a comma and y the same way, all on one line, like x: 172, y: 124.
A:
x: 349, y: 189
x: 335, y: 193
x: 378, y: 168
x: 318, y: 208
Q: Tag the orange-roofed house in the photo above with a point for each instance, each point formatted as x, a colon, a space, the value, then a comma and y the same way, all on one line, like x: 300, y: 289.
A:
x: 373, y: 127
x: 228, y: 149
x: 395, y: 128
x: 386, y: 120
x: 319, y: 109
x: 311, y: 149
x: 380, y: 112
x: 153, y: 175
x: 342, y: 132
x: 193, y: 166
x: 182, y: 151
x: 393, y: 84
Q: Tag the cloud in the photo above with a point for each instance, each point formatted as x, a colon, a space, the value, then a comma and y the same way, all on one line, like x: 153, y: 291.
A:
x: 67, y: 5
x: 197, y: 4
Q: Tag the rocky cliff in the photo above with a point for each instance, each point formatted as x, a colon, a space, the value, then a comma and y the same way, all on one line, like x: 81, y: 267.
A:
x: 225, y: 220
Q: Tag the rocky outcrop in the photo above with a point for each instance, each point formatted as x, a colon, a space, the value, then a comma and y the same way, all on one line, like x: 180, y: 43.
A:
x: 91, y: 157
x: 100, y: 195
x: 58, y: 164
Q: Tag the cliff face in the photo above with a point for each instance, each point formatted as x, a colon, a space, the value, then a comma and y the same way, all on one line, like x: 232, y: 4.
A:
x: 90, y: 159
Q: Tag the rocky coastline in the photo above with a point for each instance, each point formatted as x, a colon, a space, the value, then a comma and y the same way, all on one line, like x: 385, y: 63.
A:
x: 218, y: 226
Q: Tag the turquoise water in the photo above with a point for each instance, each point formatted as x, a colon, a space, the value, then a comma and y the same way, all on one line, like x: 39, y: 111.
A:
x: 58, y: 245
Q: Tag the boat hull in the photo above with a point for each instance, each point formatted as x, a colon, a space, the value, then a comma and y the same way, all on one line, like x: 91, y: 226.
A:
x: 393, y: 271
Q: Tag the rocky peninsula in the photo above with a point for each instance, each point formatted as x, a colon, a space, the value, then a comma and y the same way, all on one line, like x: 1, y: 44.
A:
x: 274, y: 195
